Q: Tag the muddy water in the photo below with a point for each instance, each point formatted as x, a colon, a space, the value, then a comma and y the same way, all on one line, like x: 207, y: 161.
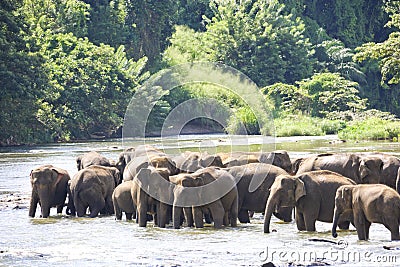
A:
x: 65, y: 241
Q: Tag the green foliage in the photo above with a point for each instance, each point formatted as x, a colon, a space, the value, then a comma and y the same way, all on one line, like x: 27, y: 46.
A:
x: 90, y: 86
x: 372, y: 129
x: 332, y: 93
x: 298, y: 125
x: 255, y: 37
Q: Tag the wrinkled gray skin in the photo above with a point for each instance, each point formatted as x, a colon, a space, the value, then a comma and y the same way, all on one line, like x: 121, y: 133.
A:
x: 92, y: 188
x: 254, y: 181
x: 279, y: 158
x: 145, y: 156
x: 207, y: 190
x: 368, y: 204
x: 92, y: 158
x: 124, y: 158
x: 49, y: 189
x: 151, y: 193
x: 190, y: 162
x: 362, y: 170
x: 389, y: 172
x: 313, y: 195
x: 122, y: 201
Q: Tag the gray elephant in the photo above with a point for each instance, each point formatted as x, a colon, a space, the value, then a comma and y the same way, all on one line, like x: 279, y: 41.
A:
x: 313, y: 195
x: 209, y: 189
x: 145, y: 156
x: 389, y: 171
x: 124, y: 158
x: 362, y: 170
x: 192, y: 161
x: 93, y: 187
x: 254, y: 181
x: 49, y: 189
x: 279, y: 158
x: 151, y: 193
x: 92, y: 158
x: 368, y: 204
x: 122, y: 201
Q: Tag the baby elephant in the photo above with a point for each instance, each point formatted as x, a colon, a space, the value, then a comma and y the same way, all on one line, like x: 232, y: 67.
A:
x: 368, y: 203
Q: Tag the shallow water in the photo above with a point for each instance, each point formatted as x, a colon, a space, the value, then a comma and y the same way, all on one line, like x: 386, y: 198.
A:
x: 66, y: 241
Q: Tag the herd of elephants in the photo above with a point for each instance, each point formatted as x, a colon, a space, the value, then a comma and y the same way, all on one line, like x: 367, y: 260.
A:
x: 192, y: 188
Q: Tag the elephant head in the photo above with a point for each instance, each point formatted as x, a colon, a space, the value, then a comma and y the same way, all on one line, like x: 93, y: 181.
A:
x: 278, y: 158
x: 91, y: 158
x: 164, y: 162
x: 343, y: 205
x: 49, y: 188
x: 285, y: 192
x: 211, y: 160
x: 370, y: 170
x: 124, y: 158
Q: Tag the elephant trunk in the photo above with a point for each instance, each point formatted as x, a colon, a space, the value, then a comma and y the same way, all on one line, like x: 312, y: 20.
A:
x: 398, y: 181
x: 269, y: 209
x: 45, y: 200
x: 335, y: 223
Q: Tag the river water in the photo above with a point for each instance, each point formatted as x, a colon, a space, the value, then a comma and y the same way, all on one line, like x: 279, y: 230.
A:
x: 65, y: 241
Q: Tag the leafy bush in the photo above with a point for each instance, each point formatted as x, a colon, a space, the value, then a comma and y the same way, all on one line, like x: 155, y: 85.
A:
x: 298, y: 125
x: 372, y: 128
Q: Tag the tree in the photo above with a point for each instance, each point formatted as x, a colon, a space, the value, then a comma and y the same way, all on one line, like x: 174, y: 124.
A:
x: 252, y: 36
x: 90, y: 86
x: 387, y: 52
x: 21, y: 79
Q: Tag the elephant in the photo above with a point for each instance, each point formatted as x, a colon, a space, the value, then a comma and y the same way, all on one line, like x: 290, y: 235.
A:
x: 253, y: 184
x: 279, y: 158
x: 124, y: 158
x: 145, y: 156
x: 192, y: 161
x: 362, y: 170
x: 151, y: 193
x: 311, y: 193
x: 92, y: 158
x: 49, y: 189
x: 210, y: 189
x: 93, y: 187
x: 389, y: 173
x: 122, y: 201
x: 368, y: 204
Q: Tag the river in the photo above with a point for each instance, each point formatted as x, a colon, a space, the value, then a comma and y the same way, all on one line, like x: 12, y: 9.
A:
x: 66, y: 241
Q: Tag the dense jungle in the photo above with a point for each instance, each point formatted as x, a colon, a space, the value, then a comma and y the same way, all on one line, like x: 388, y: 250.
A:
x: 68, y: 68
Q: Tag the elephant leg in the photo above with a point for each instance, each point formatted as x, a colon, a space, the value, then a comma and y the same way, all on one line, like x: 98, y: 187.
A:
x: 128, y: 216
x: 198, y: 217
x: 393, y: 227
x: 243, y: 216
x: 233, y: 212
x: 96, y: 207
x: 80, y: 208
x: 118, y: 211
x: 60, y: 208
x: 142, y: 208
x: 301, y: 226
x: 217, y: 212
x: 162, y: 214
x: 360, y: 221
x: 188, y: 216
x: 109, y: 206
x: 344, y: 225
x: 226, y: 219
x: 207, y: 216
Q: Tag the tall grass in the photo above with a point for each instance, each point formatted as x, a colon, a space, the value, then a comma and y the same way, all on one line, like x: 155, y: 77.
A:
x: 372, y: 129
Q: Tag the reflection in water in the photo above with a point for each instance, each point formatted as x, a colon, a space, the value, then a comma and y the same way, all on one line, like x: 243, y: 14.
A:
x: 62, y: 240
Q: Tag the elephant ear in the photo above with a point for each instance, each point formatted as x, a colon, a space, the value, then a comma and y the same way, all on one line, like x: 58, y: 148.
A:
x: 58, y: 175
x: 347, y: 196
x: 300, y: 190
x: 369, y: 166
